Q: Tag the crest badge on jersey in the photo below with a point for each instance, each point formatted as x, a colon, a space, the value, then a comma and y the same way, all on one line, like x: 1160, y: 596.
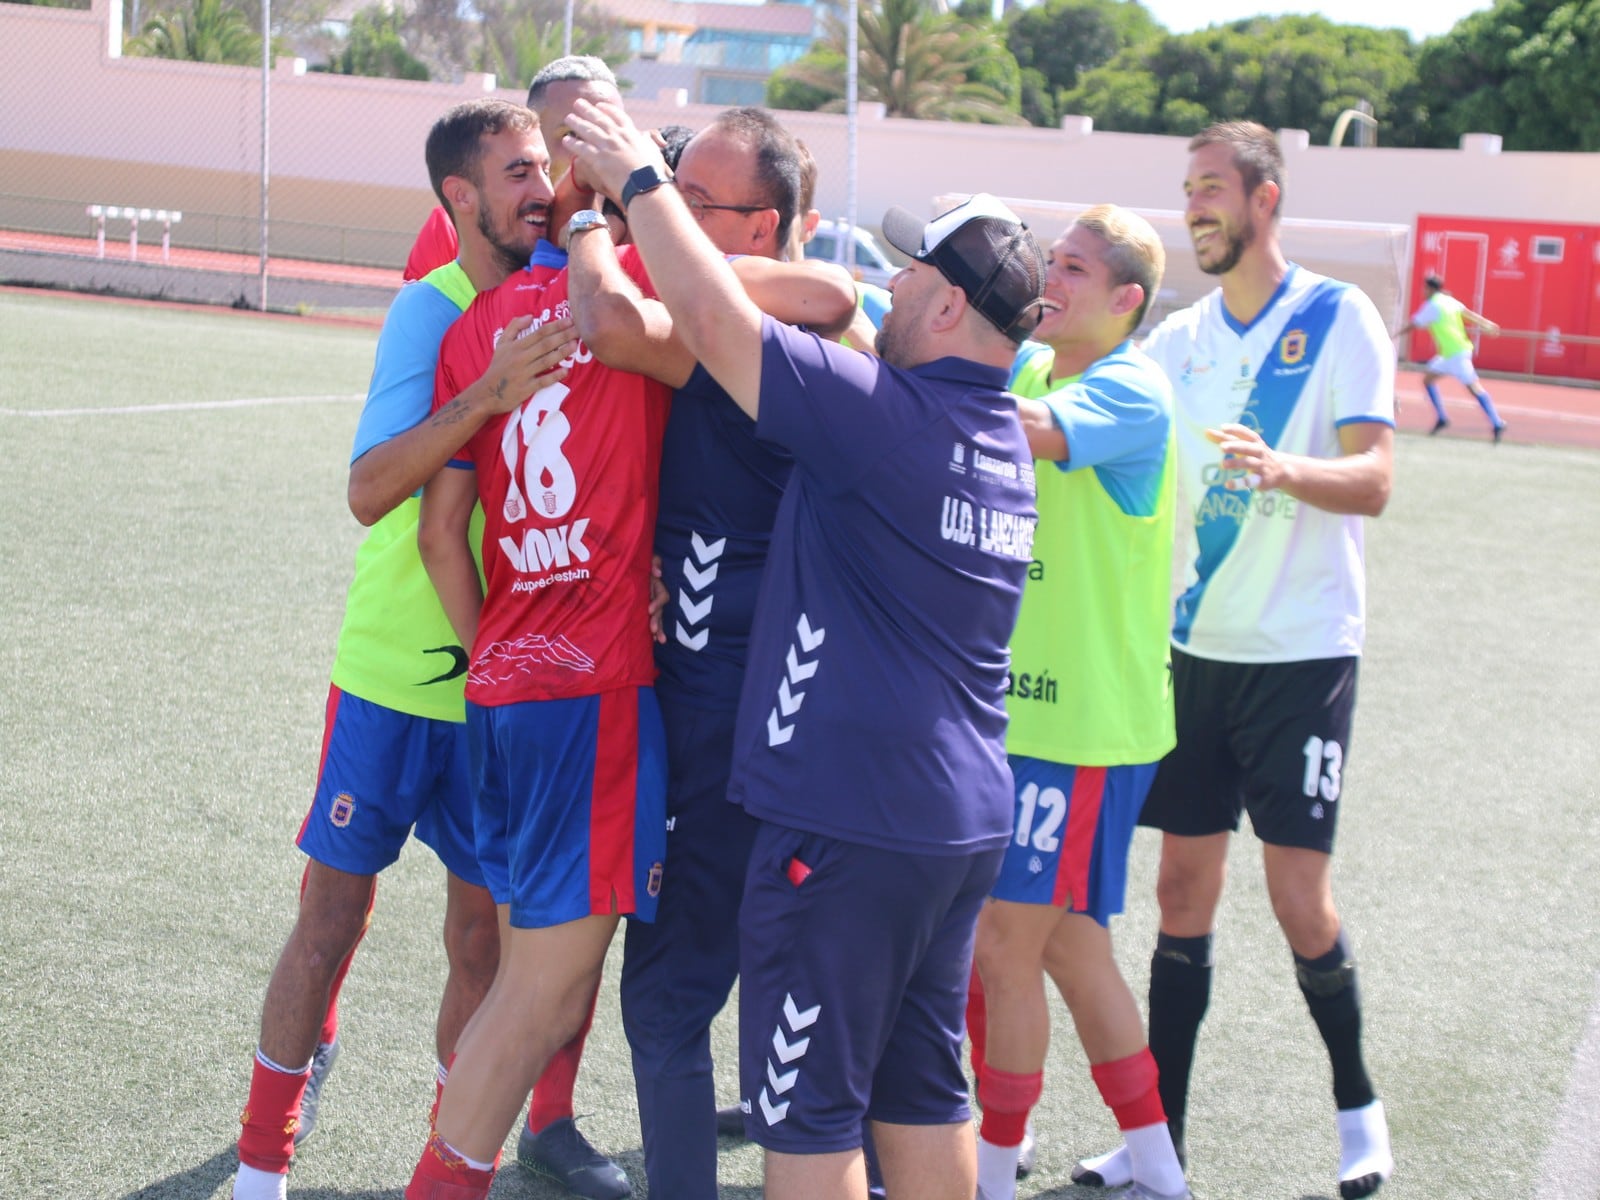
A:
x: 653, y: 884
x: 1293, y: 347
x: 344, y: 808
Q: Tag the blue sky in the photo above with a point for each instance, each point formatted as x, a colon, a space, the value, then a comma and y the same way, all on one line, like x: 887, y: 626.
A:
x: 1422, y: 17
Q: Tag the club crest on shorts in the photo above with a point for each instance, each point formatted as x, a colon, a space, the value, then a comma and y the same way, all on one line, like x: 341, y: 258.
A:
x: 653, y: 883
x: 344, y: 807
x: 1293, y: 347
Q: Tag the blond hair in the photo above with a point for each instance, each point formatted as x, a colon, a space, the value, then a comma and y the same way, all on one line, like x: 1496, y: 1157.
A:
x: 1132, y: 252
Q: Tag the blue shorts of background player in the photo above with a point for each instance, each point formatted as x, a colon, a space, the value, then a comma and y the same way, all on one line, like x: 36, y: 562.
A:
x: 571, y: 805
x: 1072, y: 832
x: 385, y: 774
x: 843, y: 1020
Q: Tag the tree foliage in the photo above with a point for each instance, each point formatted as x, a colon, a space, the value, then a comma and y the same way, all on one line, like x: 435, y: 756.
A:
x: 1056, y: 42
x: 1297, y: 72
x: 377, y: 47
x: 206, y: 31
x: 915, y: 62
x: 1528, y: 70
x: 518, y: 37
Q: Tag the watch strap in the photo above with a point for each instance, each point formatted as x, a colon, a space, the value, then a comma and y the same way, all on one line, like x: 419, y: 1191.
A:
x: 645, y: 179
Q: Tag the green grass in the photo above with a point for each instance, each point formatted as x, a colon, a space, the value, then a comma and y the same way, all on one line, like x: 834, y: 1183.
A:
x: 172, y: 585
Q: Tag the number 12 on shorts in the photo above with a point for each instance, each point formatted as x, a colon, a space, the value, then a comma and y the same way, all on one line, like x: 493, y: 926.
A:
x: 1323, y: 760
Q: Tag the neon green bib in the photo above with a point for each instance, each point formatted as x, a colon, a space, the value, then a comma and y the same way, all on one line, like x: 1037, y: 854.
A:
x: 1450, y: 330
x: 396, y: 647
x: 1090, y: 684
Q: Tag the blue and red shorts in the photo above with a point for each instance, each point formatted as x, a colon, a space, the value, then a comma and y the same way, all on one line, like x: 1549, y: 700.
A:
x: 854, y: 963
x: 571, y: 805
x: 384, y: 772
x: 1070, y: 835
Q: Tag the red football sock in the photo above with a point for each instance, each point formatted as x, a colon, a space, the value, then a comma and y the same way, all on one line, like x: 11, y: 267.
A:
x: 271, y: 1115
x: 552, y: 1092
x: 1007, y: 1099
x: 1128, y: 1086
x: 977, y: 1022
x: 442, y: 1174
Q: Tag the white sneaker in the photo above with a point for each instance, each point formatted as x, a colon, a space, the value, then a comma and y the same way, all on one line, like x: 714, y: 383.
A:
x: 1111, y: 1170
x: 1365, y: 1157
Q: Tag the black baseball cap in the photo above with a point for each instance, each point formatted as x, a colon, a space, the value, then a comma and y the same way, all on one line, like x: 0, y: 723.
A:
x: 983, y: 248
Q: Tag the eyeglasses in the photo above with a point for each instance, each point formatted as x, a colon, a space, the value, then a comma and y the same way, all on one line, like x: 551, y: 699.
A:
x: 700, y: 207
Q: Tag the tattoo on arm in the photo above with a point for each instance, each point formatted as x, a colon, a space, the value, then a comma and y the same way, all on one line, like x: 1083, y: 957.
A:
x: 452, y: 413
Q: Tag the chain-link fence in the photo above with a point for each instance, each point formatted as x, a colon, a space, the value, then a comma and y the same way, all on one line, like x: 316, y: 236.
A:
x: 126, y: 166
x: 156, y: 167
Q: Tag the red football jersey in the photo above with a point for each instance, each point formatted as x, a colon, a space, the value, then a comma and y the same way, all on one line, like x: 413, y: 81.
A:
x: 568, y: 485
x: 436, y: 245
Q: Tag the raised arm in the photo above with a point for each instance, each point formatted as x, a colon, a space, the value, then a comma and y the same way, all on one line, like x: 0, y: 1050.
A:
x: 717, y: 321
x: 392, y: 470
x: 624, y: 329
x: 444, y: 543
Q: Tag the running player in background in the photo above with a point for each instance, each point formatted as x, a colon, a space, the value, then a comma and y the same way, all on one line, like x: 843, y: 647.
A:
x: 1283, y: 387
x: 870, y: 736
x: 1089, y: 701
x: 1446, y: 319
x: 394, y: 749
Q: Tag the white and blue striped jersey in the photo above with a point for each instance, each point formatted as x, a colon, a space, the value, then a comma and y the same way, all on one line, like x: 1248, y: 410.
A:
x: 1270, y: 579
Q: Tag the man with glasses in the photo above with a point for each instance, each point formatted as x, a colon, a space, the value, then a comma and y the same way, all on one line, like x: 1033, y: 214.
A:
x: 894, y: 573
x: 741, y: 178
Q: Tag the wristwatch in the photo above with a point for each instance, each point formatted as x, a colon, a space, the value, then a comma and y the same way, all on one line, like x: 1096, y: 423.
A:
x: 585, y: 219
x: 645, y: 179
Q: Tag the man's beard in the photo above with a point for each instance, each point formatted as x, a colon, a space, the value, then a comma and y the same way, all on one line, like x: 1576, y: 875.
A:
x: 1237, y: 244
x: 510, y: 256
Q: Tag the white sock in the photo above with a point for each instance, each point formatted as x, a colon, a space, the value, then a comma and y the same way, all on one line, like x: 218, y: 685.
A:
x: 471, y: 1162
x: 279, y: 1067
x: 1155, y: 1162
x: 253, y: 1184
x: 1114, y: 1168
x: 1364, y: 1145
x: 997, y: 1171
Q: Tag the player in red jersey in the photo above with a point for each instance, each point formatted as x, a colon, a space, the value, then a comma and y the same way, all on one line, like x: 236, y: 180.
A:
x: 565, y: 738
x: 567, y: 743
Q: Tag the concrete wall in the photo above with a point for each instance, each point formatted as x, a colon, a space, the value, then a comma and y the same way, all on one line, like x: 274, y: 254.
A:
x: 79, y: 124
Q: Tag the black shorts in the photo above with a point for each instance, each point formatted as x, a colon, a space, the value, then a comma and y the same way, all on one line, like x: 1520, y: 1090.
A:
x: 1265, y: 738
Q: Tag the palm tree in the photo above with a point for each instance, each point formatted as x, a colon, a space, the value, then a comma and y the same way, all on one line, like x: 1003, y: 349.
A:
x: 521, y: 37
x: 915, y: 62
x: 207, y: 31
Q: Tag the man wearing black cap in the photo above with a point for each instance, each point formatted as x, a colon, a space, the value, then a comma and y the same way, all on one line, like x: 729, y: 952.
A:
x: 870, y: 739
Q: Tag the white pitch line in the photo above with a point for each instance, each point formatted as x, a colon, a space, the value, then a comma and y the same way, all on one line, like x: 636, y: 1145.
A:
x: 196, y: 406
x: 1571, y: 1166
